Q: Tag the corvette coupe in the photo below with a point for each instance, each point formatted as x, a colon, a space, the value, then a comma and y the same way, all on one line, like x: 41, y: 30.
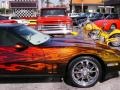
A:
x: 110, y: 23
x: 26, y: 52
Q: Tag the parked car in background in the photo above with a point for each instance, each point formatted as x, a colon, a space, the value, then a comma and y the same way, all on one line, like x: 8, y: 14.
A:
x: 72, y: 15
x: 111, y: 22
x: 19, y: 20
x: 76, y: 19
x: 4, y: 19
x: 99, y: 16
x: 27, y: 52
x: 91, y: 16
x: 54, y: 21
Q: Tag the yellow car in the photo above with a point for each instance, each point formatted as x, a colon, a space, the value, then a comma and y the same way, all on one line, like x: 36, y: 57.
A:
x: 96, y: 33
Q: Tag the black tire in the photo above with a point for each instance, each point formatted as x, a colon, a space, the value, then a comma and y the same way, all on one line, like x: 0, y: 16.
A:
x: 115, y: 44
x: 85, y: 71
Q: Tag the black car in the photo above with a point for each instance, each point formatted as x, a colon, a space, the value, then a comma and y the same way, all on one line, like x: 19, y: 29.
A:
x: 3, y: 17
x: 112, y: 16
x: 77, y: 19
x: 85, y: 16
x: 99, y: 16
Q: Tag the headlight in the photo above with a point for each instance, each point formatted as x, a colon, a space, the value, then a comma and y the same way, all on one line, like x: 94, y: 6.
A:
x: 94, y: 34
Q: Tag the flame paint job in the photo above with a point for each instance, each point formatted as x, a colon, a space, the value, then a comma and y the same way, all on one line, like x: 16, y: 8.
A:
x: 52, y: 57
x: 49, y: 57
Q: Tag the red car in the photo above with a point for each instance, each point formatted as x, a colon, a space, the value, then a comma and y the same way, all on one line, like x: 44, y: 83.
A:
x: 111, y: 22
x: 54, y: 21
x: 4, y: 19
x: 8, y: 21
x: 27, y: 52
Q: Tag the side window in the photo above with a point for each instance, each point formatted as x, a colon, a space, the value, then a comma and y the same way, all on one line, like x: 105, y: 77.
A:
x: 8, y: 39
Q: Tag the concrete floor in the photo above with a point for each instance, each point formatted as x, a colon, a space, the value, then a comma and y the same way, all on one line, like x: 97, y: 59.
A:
x: 111, y: 84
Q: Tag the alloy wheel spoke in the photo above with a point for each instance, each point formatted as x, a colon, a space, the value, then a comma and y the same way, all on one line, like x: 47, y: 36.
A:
x: 89, y: 78
x: 92, y: 71
x: 78, y: 72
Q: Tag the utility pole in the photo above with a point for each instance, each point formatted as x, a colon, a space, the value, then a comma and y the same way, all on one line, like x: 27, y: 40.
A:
x: 70, y: 6
x: 82, y: 6
x: 47, y: 2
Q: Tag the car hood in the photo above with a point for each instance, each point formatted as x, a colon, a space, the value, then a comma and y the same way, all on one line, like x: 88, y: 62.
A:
x: 54, y: 19
x: 62, y: 42
x: 74, y: 42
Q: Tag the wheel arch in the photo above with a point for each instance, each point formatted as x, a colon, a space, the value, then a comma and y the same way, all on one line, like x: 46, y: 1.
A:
x: 103, y: 65
x: 113, y: 24
x: 113, y: 34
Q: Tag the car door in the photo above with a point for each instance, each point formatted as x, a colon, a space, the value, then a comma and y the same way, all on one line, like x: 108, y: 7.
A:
x: 12, y: 61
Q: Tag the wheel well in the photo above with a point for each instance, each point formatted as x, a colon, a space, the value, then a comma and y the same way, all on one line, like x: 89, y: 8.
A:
x: 114, y: 24
x: 96, y: 57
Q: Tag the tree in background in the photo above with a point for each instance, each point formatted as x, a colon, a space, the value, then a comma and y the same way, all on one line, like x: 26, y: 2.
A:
x: 4, y: 11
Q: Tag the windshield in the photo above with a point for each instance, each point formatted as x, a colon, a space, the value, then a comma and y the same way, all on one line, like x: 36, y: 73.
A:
x: 31, y: 35
x: 98, y: 15
x: 112, y: 16
x: 53, y: 12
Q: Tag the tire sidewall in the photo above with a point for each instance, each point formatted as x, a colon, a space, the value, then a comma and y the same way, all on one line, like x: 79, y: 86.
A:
x: 71, y: 65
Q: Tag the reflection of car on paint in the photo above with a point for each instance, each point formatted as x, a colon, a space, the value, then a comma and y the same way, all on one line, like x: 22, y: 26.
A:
x: 26, y: 52
x: 54, y: 21
x: 111, y: 22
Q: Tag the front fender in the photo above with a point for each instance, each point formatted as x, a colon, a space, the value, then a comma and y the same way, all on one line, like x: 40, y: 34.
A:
x: 116, y: 31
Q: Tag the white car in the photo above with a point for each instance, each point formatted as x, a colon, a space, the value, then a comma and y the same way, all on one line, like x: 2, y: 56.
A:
x: 74, y: 15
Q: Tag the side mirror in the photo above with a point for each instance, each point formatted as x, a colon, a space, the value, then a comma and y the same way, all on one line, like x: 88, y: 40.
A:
x: 20, y: 46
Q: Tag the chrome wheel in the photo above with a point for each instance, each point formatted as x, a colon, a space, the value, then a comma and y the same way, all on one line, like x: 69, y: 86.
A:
x: 85, y: 72
x: 117, y: 42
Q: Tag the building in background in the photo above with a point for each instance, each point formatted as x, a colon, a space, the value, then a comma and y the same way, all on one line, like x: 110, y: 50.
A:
x: 24, y: 8
x: 86, y: 5
x: 114, y: 4
x: 4, y: 4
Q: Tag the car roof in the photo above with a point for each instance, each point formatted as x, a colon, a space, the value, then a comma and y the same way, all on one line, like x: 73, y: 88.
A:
x: 9, y: 25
